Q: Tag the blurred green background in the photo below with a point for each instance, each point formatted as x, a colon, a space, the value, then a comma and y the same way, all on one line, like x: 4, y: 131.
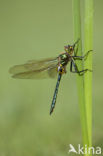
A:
x: 34, y: 29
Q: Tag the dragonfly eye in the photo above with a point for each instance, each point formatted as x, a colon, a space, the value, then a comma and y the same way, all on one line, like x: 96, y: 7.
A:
x: 71, y: 48
x: 66, y: 48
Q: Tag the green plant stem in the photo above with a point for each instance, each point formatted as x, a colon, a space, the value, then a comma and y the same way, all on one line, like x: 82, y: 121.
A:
x: 80, y: 79
x: 88, y: 45
x: 84, y: 82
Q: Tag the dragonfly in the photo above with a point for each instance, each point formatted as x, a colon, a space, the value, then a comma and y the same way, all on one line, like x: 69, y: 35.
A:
x: 50, y: 67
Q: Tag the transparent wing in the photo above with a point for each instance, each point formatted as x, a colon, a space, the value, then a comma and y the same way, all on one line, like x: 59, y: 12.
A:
x: 36, y: 69
x: 50, y: 72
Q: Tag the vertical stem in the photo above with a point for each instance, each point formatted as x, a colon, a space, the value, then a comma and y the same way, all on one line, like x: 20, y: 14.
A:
x: 84, y: 83
x: 88, y: 45
x: 80, y: 79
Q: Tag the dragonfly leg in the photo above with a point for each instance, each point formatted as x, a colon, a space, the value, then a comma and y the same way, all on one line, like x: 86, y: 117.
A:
x: 73, y: 64
x: 75, y: 67
x: 76, y: 43
x: 82, y: 57
x: 75, y: 51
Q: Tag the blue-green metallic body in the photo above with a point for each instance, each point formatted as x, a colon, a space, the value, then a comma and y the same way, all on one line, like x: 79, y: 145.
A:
x: 55, y: 93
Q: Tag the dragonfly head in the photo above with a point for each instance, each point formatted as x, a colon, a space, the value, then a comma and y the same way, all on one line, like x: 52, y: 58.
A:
x: 70, y: 48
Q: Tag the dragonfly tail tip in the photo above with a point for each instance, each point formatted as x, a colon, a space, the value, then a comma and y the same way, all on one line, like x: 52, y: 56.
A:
x: 51, y: 111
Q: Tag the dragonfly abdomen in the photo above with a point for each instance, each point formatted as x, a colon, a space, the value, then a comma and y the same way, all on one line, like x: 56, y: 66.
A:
x: 55, y: 93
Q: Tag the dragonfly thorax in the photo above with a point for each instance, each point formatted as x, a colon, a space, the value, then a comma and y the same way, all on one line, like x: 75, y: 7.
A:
x: 64, y: 58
